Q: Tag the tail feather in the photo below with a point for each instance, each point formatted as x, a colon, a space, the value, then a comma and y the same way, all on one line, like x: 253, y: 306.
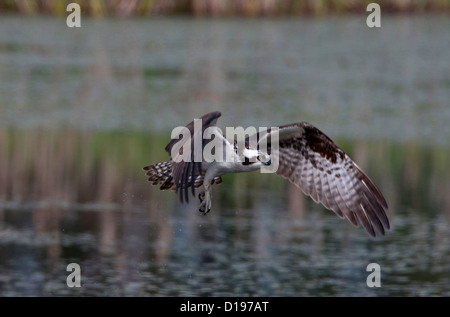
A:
x: 161, y: 173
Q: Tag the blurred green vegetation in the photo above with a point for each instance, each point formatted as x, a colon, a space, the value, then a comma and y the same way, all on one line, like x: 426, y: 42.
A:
x: 248, y: 8
x: 74, y: 166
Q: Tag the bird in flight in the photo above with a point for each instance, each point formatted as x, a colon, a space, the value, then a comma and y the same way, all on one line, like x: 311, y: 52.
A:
x: 304, y: 154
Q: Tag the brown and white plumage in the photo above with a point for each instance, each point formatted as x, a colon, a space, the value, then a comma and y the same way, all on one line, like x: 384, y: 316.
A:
x: 161, y: 174
x: 306, y: 156
x: 314, y: 163
x: 183, y: 171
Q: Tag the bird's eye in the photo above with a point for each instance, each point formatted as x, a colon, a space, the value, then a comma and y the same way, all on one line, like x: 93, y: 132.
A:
x: 259, y: 158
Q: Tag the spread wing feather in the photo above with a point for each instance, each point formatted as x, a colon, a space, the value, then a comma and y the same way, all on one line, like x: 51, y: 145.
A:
x: 314, y: 163
x: 183, y: 171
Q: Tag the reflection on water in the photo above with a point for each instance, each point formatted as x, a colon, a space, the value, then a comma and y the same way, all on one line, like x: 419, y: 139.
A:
x: 82, y: 111
x: 84, y: 199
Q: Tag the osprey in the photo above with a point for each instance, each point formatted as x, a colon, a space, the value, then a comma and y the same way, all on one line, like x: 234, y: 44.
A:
x: 305, y: 156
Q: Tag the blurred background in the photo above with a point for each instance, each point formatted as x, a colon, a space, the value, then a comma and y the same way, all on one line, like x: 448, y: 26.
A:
x: 82, y: 110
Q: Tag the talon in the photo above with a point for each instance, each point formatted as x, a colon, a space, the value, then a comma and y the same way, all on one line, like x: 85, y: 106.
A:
x: 201, y: 196
x: 203, y: 209
x: 205, y: 205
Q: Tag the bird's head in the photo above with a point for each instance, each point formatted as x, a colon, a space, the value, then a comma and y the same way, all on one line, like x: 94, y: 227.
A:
x: 256, y: 156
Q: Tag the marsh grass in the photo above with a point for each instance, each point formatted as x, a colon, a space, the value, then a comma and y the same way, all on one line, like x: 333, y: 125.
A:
x: 246, y: 8
x: 73, y: 166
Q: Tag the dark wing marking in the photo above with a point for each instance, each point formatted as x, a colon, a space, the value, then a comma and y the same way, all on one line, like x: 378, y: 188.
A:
x: 183, y: 171
x: 314, y: 163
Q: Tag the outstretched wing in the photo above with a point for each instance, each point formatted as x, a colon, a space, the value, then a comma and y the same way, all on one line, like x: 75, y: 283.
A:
x: 314, y: 163
x: 183, y: 171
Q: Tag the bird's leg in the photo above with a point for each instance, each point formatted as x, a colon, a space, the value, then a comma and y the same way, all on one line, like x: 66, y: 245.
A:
x: 201, y: 196
x: 205, y: 199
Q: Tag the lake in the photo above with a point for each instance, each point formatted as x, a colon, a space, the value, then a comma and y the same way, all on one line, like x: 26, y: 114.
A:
x: 82, y: 110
